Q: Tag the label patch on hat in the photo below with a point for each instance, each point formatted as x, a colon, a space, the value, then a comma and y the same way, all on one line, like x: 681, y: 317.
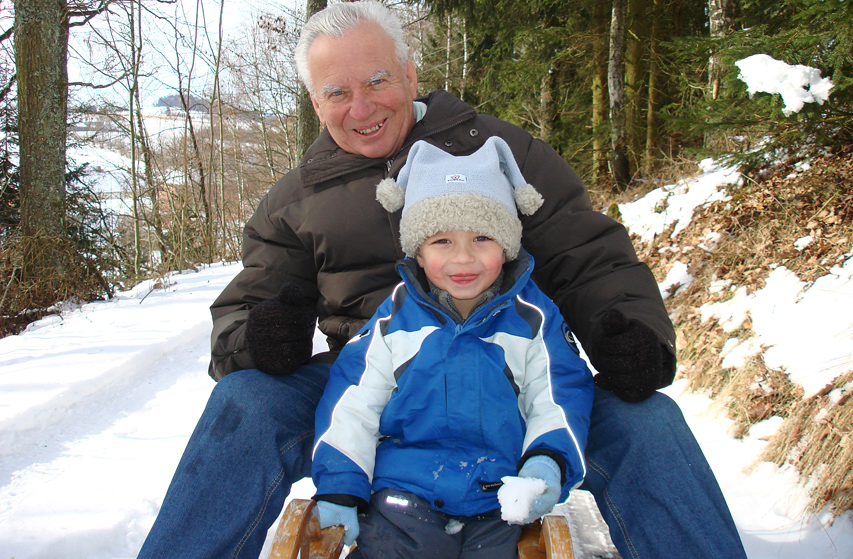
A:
x: 454, y: 178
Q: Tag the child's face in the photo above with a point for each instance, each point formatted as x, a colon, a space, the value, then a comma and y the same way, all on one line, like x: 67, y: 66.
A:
x: 462, y: 263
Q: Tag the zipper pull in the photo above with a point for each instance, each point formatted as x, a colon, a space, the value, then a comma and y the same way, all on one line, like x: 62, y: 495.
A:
x: 388, y: 165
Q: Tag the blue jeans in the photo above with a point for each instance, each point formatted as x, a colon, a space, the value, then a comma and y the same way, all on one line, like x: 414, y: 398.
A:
x: 254, y: 439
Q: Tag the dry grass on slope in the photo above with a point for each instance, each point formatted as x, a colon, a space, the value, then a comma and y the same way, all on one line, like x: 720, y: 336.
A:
x: 759, y: 226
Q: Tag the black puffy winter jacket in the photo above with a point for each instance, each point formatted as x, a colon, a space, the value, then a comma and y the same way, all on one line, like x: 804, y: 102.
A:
x: 321, y: 227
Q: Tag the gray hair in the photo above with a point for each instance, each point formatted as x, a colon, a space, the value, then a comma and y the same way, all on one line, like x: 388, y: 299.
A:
x: 340, y: 18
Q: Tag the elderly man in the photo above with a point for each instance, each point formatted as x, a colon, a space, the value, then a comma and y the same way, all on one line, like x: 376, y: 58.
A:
x: 320, y: 246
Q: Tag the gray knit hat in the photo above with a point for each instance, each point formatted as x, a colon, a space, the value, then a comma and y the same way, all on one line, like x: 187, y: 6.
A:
x: 482, y: 192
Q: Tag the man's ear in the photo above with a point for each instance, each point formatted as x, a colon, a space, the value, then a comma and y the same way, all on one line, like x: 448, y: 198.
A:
x: 317, y: 109
x: 412, y: 76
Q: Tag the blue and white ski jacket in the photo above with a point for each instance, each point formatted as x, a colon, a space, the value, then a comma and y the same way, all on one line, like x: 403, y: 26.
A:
x: 419, y: 403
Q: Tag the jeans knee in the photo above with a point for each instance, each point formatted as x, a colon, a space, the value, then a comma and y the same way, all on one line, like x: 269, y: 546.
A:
x: 238, y: 382
x: 646, y: 424
x: 263, y: 403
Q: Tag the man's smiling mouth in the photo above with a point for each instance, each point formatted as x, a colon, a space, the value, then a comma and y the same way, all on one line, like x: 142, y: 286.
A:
x: 371, y: 130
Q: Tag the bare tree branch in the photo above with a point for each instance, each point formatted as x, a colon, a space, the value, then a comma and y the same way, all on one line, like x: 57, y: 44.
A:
x: 87, y: 14
x: 97, y: 86
x: 8, y: 87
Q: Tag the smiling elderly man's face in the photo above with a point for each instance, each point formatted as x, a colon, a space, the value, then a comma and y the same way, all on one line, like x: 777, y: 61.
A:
x: 362, y: 94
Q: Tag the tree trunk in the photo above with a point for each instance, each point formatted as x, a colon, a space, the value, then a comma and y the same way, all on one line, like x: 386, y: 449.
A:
x: 651, y: 151
x: 136, y: 53
x: 41, y: 47
x: 635, y: 77
x: 546, y: 107
x: 152, y: 187
x: 464, y: 59
x: 600, y: 101
x: 309, y: 122
x: 719, y: 23
x: 217, y: 234
x: 447, y: 56
x: 616, y: 85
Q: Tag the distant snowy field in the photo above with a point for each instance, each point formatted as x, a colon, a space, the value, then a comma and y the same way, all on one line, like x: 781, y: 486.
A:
x: 97, y: 405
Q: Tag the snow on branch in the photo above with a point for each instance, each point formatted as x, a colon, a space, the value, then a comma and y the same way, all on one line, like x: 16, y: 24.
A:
x: 797, y: 85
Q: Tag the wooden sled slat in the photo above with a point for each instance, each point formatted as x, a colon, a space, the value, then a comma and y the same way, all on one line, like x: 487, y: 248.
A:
x: 299, y: 531
x: 528, y: 543
x: 549, y: 538
x: 556, y: 537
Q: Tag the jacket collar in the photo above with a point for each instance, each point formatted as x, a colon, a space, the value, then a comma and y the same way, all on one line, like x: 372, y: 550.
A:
x: 324, y: 160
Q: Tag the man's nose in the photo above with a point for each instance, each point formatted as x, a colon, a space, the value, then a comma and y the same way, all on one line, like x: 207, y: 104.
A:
x: 362, y: 106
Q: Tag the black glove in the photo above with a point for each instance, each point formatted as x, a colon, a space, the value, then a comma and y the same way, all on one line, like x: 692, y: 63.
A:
x: 631, y: 361
x: 280, y: 332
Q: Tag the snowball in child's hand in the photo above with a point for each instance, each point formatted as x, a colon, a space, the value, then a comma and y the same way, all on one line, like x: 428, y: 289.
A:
x: 453, y: 526
x: 516, y: 496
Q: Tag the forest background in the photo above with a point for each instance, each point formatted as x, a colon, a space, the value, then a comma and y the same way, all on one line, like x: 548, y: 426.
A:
x: 200, y: 103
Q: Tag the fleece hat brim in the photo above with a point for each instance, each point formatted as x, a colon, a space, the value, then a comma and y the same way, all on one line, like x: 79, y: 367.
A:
x: 482, y: 192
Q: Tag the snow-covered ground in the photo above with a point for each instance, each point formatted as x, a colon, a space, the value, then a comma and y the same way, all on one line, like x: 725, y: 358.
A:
x: 97, y: 405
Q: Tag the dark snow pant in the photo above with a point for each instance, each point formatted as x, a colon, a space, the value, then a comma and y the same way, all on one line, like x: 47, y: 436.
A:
x: 400, y: 525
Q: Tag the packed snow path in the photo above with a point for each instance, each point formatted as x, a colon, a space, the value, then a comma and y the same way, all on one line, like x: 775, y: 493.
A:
x: 96, y: 407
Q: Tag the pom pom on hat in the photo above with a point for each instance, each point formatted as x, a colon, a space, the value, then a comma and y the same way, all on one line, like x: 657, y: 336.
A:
x: 390, y: 194
x: 482, y: 192
x: 528, y: 199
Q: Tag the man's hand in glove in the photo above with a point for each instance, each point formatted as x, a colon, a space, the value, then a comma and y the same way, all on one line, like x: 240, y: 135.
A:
x: 631, y: 360
x: 279, y: 332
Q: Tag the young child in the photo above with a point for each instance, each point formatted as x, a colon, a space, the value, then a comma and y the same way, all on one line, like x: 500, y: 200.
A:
x: 465, y: 375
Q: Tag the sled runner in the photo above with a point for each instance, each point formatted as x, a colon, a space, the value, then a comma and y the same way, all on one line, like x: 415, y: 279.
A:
x: 299, y: 531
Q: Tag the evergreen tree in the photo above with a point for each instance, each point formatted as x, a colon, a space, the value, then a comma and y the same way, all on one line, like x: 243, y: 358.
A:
x: 534, y: 73
x: 813, y: 33
x: 547, y: 72
x: 10, y: 210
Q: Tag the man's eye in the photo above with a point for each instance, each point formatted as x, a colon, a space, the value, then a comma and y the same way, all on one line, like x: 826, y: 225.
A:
x: 377, y: 81
x: 336, y: 94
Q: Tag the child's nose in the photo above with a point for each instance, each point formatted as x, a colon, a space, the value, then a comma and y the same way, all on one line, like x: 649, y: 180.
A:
x: 463, y: 253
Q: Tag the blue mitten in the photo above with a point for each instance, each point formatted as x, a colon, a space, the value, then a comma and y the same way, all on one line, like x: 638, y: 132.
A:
x: 334, y: 515
x: 544, y: 468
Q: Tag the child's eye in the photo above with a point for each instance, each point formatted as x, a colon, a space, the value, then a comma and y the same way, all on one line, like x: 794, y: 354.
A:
x: 481, y: 238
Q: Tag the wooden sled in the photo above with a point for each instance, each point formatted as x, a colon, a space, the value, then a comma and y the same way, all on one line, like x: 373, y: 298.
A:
x: 299, y: 532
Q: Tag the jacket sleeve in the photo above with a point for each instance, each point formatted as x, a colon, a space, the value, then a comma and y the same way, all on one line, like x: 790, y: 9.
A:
x: 585, y: 261
x: 556, y: 397
x: 347, y: 419
x: 272, y: 256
